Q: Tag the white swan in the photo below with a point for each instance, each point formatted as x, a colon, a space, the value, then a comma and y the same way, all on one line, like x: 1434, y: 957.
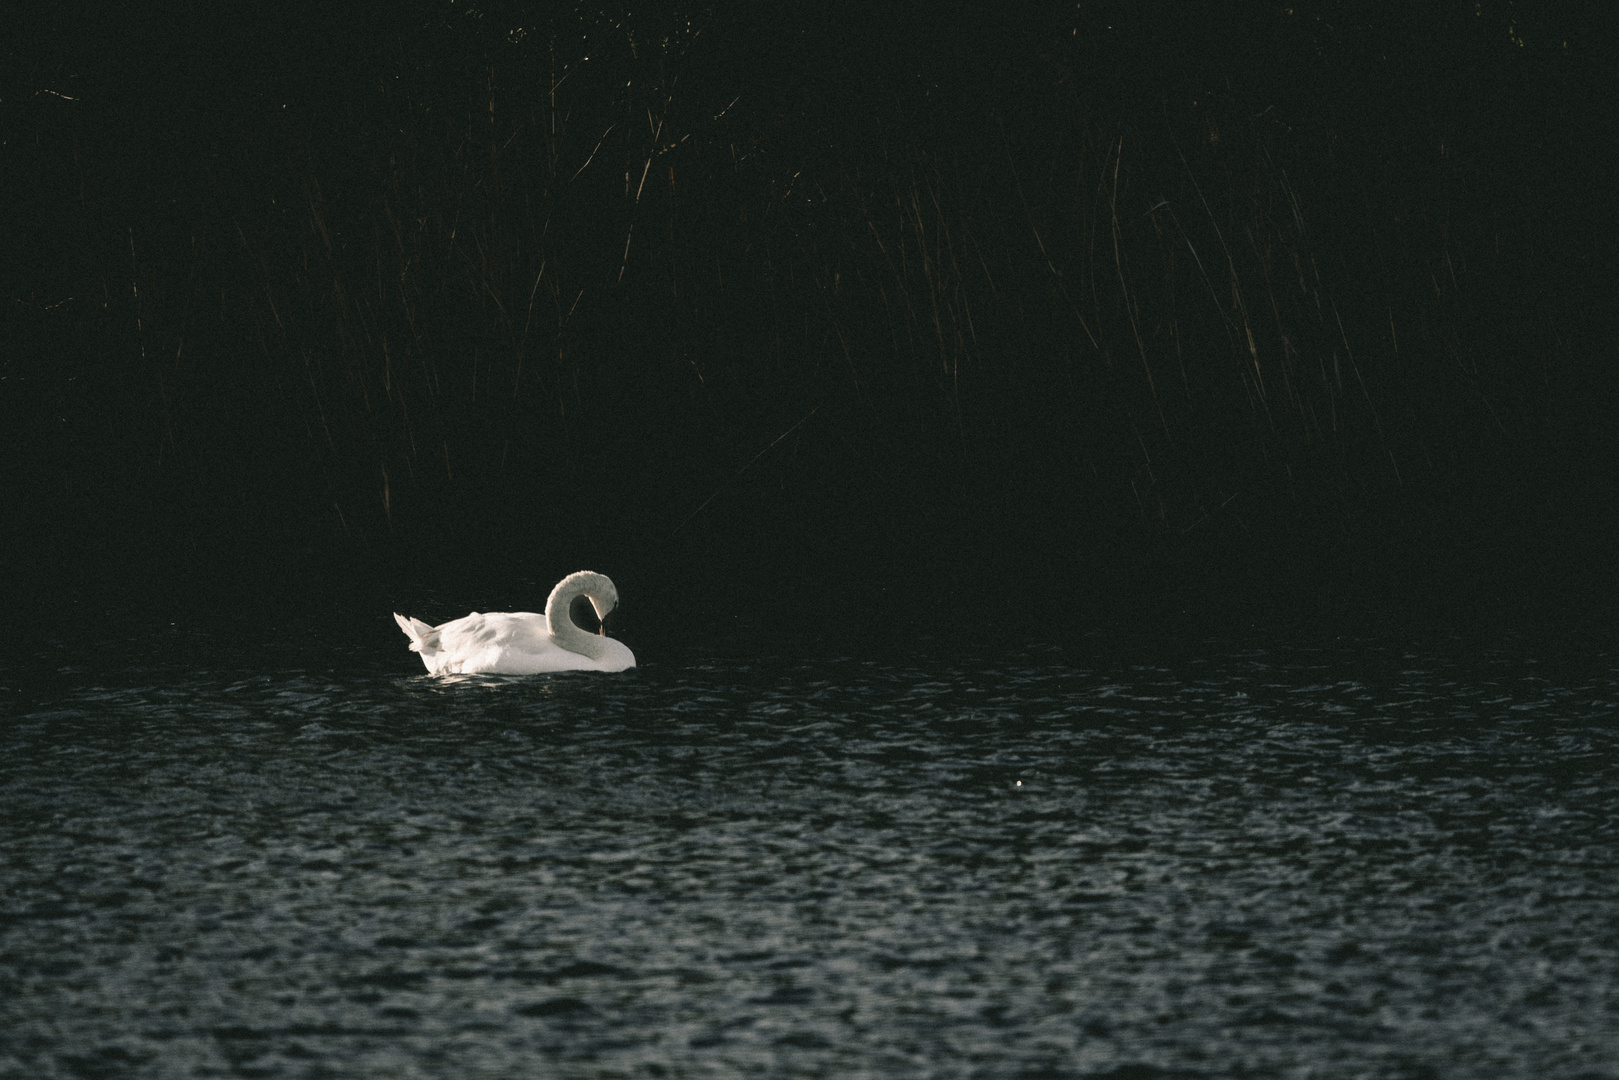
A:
x: 523, y: 642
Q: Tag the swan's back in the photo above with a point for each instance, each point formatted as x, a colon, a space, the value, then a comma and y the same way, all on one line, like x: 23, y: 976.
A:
x: 509, y: 642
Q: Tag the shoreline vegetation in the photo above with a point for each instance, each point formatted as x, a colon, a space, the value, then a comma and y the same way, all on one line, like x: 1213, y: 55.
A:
x: 1131, y: 303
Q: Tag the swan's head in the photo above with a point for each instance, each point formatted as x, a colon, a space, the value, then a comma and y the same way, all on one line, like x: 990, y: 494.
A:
x: 603, y: 599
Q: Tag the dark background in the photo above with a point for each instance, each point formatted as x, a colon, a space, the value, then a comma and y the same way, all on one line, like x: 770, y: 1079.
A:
x: 811, y: 315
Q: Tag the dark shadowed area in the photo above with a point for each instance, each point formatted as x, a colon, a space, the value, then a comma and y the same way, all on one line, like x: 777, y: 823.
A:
x: 1154, y: 303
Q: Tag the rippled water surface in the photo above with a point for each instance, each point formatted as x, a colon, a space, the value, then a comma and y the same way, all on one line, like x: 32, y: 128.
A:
x: 1360, y: 860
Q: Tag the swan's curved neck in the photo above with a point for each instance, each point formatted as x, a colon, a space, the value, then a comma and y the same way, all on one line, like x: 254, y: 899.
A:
x: 567, y: 633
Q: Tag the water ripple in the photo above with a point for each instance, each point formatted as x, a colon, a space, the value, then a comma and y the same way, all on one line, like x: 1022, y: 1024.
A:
x: 1326, y: 862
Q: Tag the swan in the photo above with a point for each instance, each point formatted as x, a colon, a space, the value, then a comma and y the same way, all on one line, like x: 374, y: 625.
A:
x: 523, y: 642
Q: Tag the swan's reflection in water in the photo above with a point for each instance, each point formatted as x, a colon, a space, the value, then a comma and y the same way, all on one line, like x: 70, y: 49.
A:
x: 1344, y: 862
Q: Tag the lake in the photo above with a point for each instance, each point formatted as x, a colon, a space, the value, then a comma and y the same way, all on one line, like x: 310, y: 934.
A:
x: 1333, y: 858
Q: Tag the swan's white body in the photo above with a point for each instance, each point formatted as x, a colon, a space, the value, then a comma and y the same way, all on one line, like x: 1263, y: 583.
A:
x: 524, y: 642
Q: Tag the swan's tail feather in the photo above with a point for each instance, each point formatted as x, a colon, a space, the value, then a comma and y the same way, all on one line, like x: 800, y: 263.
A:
x: 423, y: 638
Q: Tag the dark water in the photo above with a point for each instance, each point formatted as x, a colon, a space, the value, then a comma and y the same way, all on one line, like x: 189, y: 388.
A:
x: 1352, y: 860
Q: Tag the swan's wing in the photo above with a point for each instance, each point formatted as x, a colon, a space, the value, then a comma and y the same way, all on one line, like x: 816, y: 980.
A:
x: 503, y: 642
x: 460, y: 635
x: 479, y: 642
x: 422, y: 637
x: 526, y: 634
